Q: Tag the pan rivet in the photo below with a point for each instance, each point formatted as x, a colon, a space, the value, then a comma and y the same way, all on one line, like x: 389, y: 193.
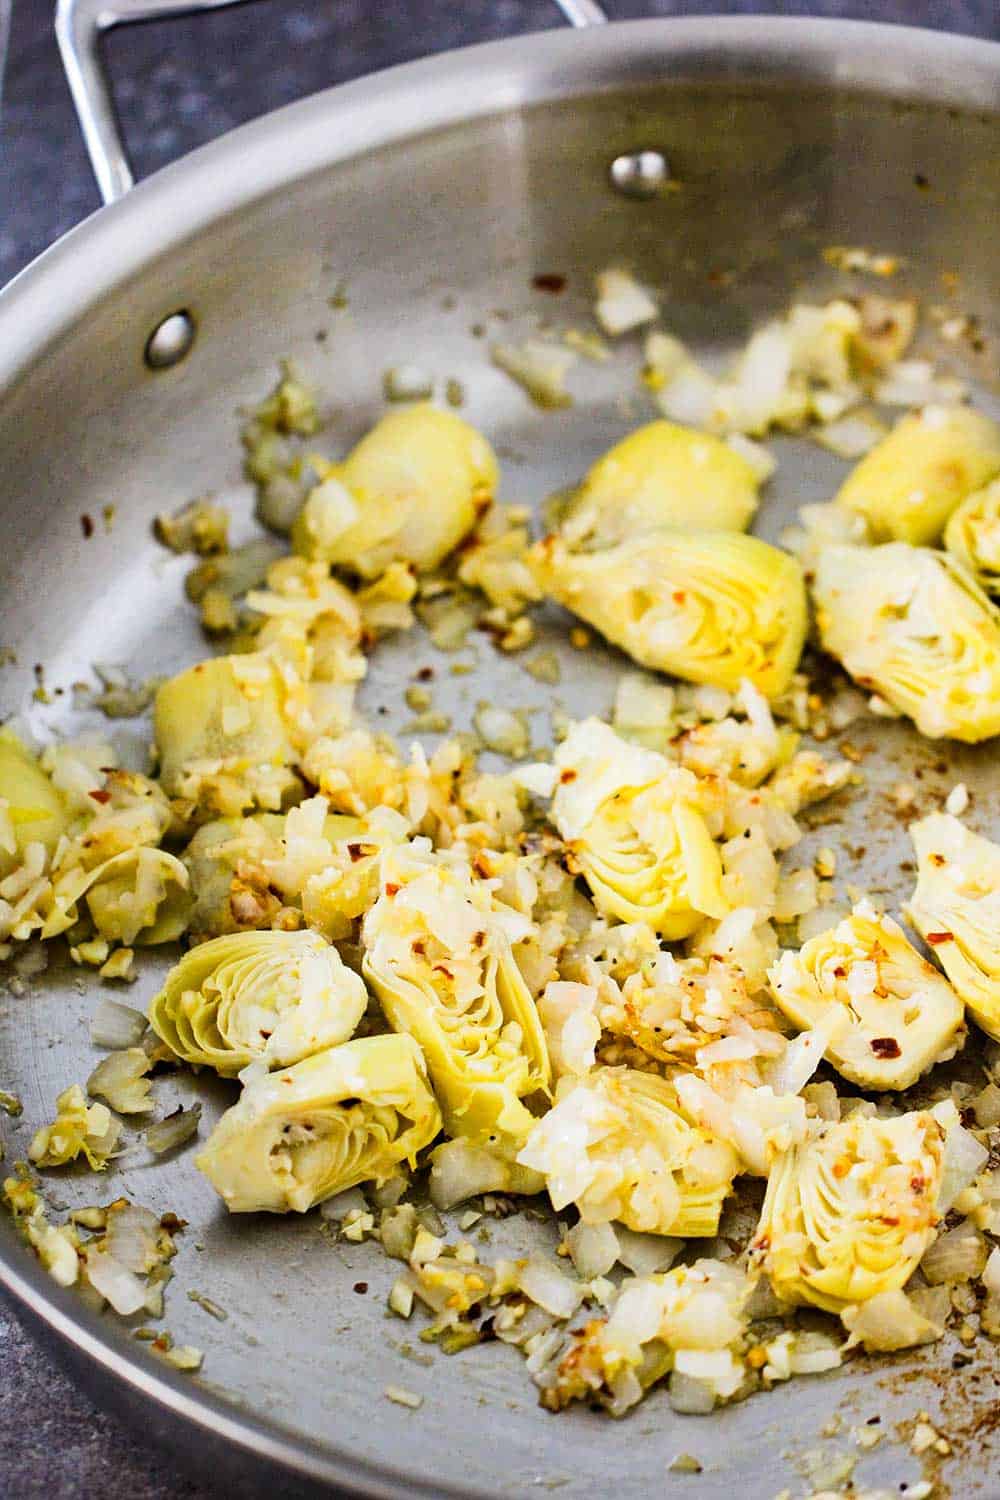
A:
x: 170, y: 341
x: 639, y: 174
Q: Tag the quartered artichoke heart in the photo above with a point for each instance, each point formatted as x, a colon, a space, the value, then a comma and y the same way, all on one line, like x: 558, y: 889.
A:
x: 972, y: 536
x: 912, y: 481
x: 138, y: 897
x: 348, y: 1115
x: 849, y: 1213
x: 617, y: 1145
x: 409, y: 492
x: 280, y: 996
x: 31, y: 809
x: 438, y: 954
x: 899, y: 1016
x: 635, y: 825
x: 221, y: 736
x: 956, y: 910
x: 661, y: 475
x: 711, y: 607
x: 913, y: 626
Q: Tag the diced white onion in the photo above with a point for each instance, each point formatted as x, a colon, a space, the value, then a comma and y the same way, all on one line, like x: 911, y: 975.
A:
x: 545, y: 1284
x: 116, y: 1026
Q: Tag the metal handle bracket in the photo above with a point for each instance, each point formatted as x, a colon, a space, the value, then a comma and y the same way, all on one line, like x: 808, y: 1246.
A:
x: 79, y: 26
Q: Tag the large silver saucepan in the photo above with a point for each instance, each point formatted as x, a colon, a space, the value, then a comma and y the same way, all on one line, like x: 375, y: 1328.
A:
x: 437, y: 192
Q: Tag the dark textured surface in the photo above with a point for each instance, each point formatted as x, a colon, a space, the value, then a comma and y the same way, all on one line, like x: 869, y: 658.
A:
x: 179, y: 84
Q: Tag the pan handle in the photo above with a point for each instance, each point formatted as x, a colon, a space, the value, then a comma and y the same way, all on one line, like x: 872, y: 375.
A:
x: 79, y: 27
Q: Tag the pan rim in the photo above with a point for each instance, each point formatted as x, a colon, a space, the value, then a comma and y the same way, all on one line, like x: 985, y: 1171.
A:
x: 43, y: 302
x: 294, y: 142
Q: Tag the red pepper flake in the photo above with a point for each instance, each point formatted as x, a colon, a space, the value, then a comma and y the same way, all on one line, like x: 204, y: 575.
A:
x: 391, y: 889
x: 934, y: 938
x: 425, y: 674
x: 679, y: 596
x: 361, y: 1287
x: 885, y: 1046
x: 567, y: 776
x: 87, y: 526
x: 840, y: 972
x: 917, y: 1183
x: 549, y: 281
x: 101, y: 797
x: 361, y: 851
x: 478, y: 939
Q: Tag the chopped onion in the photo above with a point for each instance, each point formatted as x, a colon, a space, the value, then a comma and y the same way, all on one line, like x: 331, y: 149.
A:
x: 501, y: 730
x: 121, y: 1080
x: 850, y: 436
x: 173, y: 1131
x: 964, y: 1159
x: 546, y: 1285
x: 886, y: 1322
x: 338, y: 1207
x: 796, y: 895
x: 539, y: 368
x: 622, y: 304
x: 117, y: 1285
x: 694, y: 1398
x: 593, y: 1249
x: 117, y: 1026
x: 646, y: 1254
x: 986, y: 1107
x: 958, y: 1255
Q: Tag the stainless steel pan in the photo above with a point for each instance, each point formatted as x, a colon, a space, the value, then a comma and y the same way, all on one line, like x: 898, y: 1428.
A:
x: 437, y: 192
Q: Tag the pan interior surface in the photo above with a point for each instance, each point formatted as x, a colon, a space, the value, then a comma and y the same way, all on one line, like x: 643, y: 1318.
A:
x: 433, y: 243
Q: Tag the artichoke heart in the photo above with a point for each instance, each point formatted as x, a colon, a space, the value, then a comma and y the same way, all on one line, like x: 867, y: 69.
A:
x: 666, y: 476
x: 956, y: 910
x: 438, y: 955
x: 913, y: 626
x: 409, y: 492
x: 31, y: 809
x: 912, y: 481
x: 221, y: 735
x: 635, y: 825
x: 849, y: 1212
x: 280, y: 996
x: 899, y: 1016
x: 972, y: 536
x: 617, y: 1146
x: 711, y: 607
x: 348, y: 1115
x: 141, y: 896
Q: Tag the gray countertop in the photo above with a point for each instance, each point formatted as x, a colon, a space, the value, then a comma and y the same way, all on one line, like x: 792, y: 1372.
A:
x: 178, y: 84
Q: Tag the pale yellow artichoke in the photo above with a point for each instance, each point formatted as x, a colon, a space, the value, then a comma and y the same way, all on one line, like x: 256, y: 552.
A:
x: 899, y: 1017
x: 439, y: 957
x: 635, y: 825
x: 409, y: 492
x: 31, y: 809
x: 222, y: 738
x: 617, y: 1145
x: 956, y: 910
x: 849, y: 1213
x: 912, y: 481
x: 139, y: 897
x: 351, y: 1114
x: 279, y: 996
x: 661, y: 476
x: 914, y: 627
x: 972, y: 536
x: 711, y: 607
